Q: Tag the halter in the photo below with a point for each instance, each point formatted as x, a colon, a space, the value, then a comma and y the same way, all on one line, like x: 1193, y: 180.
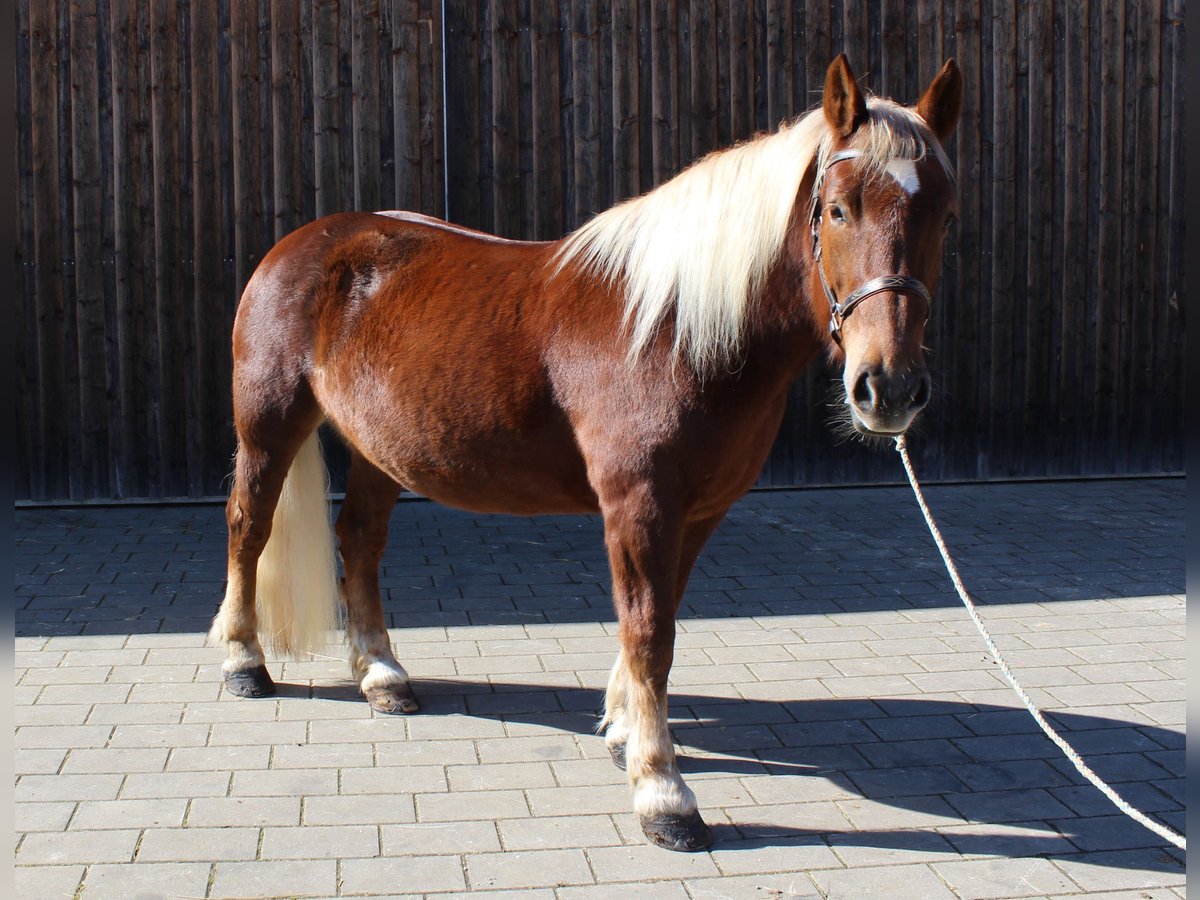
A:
x: 901, y: 284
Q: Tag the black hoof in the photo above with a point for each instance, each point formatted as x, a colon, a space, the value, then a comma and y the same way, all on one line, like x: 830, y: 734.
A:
x: 684, y: 833
x: 254, y: 682
x: 394, y: 700
x: 617, y: 752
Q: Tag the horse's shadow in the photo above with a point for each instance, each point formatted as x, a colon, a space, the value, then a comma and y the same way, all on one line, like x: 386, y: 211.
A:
x: 939, y: 762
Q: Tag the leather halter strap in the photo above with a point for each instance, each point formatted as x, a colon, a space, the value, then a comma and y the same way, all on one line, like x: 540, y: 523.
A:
x: 884, y: 284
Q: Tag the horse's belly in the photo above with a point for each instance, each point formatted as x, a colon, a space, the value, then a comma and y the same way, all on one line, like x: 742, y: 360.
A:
x: 467, y: 456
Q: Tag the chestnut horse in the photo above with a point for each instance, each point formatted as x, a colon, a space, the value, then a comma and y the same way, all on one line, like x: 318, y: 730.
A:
x: 638, y: 368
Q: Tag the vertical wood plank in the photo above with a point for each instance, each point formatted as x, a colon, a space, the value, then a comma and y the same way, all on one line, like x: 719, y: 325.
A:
x: 1110, y: 185
x: 778, y: 69
x: 703, y: 86
x: 169, y: 277
x: 970, y: 186
x: 741, y: 69
x: 893, y: 71
x: 665, y: 96
x: 462, y: 114
x: 548, y: 214
x: 30, y: 476
x: 87, y: 290
x: 1042, y: 396
x: 208, y: 294
x: 1003, y: 215
x: 625, y: 130
x: 506, y: 188
x: 285, y: 116
x: 723, y: 51
x: 584, y: 60
x: 327, y: 108
x: 1141, y: 242
x: 1078, y: 242
x: 1168, y: 323
x: 365, y: 81
x: 247, y: 134
x: 525, y: 181
x: 854, y: 35
x: 819, y: 52
x: 433, y: 171
x: 406, y: 102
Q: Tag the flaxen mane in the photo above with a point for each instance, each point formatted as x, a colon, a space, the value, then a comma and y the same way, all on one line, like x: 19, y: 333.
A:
x: 702, y: 243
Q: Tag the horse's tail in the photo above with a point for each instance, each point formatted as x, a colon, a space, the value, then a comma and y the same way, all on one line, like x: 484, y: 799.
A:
x: 297, y: 589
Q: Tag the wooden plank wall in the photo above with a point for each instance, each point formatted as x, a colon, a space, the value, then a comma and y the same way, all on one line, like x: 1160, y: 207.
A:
x: 164, y: 146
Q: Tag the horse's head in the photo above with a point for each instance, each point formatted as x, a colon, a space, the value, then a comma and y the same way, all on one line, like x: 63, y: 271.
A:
x: 883, y: 195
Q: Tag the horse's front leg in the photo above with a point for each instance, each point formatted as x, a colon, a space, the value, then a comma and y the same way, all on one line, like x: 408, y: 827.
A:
x: 362, y: 527
x: 644, y: 544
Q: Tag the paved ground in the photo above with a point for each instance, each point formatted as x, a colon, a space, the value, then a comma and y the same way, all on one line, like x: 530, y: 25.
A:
x: 834, y: 710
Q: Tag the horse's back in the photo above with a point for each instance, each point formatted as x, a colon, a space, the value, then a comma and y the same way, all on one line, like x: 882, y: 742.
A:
x: 425, y: 344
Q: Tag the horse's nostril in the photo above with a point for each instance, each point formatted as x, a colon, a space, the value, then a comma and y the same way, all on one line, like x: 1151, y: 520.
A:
x: 863, y: 395
x: 924, y: 388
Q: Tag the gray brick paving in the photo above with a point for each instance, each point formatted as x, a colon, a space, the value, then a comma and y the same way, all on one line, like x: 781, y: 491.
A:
x: 836, y: 714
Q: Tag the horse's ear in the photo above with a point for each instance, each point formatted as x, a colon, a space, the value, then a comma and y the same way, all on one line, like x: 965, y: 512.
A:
x: 845, y: 105
x: 941, y: 103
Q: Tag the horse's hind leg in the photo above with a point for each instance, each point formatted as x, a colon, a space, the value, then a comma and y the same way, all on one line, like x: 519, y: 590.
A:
x: 259, y: 474
x: 362, y: 535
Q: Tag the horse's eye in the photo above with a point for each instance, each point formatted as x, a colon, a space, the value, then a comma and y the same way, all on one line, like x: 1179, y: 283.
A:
x: 950, y: 217
x: 835, y: 213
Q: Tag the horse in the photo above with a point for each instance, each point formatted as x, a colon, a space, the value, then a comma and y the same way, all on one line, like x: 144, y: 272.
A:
x: 638, y: 368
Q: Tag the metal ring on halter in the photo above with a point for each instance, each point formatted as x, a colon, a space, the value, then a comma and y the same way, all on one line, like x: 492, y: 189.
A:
x: 901, y: 284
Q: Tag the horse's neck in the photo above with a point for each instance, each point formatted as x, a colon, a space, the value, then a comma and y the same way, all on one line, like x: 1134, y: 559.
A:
x: 783, y: 321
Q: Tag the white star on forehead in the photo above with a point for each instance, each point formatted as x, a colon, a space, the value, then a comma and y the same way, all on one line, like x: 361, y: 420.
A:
x: 905, y: 173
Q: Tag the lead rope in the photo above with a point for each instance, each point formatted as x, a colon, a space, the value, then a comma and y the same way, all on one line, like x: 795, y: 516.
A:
x: 1161, y: 830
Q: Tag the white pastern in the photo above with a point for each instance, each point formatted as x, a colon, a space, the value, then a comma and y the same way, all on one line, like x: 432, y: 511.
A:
x: 905, y: 173
x: 383, y: 673
x: 243, y: 657
x: 659, y: 794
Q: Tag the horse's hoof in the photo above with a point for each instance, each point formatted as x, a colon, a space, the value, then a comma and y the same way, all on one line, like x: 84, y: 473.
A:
x: 254, y: 682
x: 684, y: 833
x: 617, y: 752
x: 394, y: 700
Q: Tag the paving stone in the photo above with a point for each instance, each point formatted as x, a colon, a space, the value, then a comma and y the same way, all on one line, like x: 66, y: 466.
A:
x: 615, y: 864
x: 760, y: 855
x: 558, y: 832
x: 226, y: 812
x: 1122, y: 869
x: 527, y: 868
x: 147, y: 880
x: 470, y: 805
x: 45, y: 848
x: 285, y: 782
x: 176, y: 784
x: 47, y: 882
x: 319, y: 842
x: 38, y: 761
x: 263, y: 879
x: 991, y: 879
x: 198, y: 844
x: 43, y: 816
x: 105, y: 814
x: 912, y: 882
x: 412, y: 873
x: 67, y: 787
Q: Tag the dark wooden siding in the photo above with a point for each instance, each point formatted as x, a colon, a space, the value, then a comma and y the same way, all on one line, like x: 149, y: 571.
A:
x: 163, y: 147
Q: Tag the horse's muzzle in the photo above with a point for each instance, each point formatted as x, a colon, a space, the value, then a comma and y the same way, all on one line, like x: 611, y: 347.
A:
x: 884, y: 402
